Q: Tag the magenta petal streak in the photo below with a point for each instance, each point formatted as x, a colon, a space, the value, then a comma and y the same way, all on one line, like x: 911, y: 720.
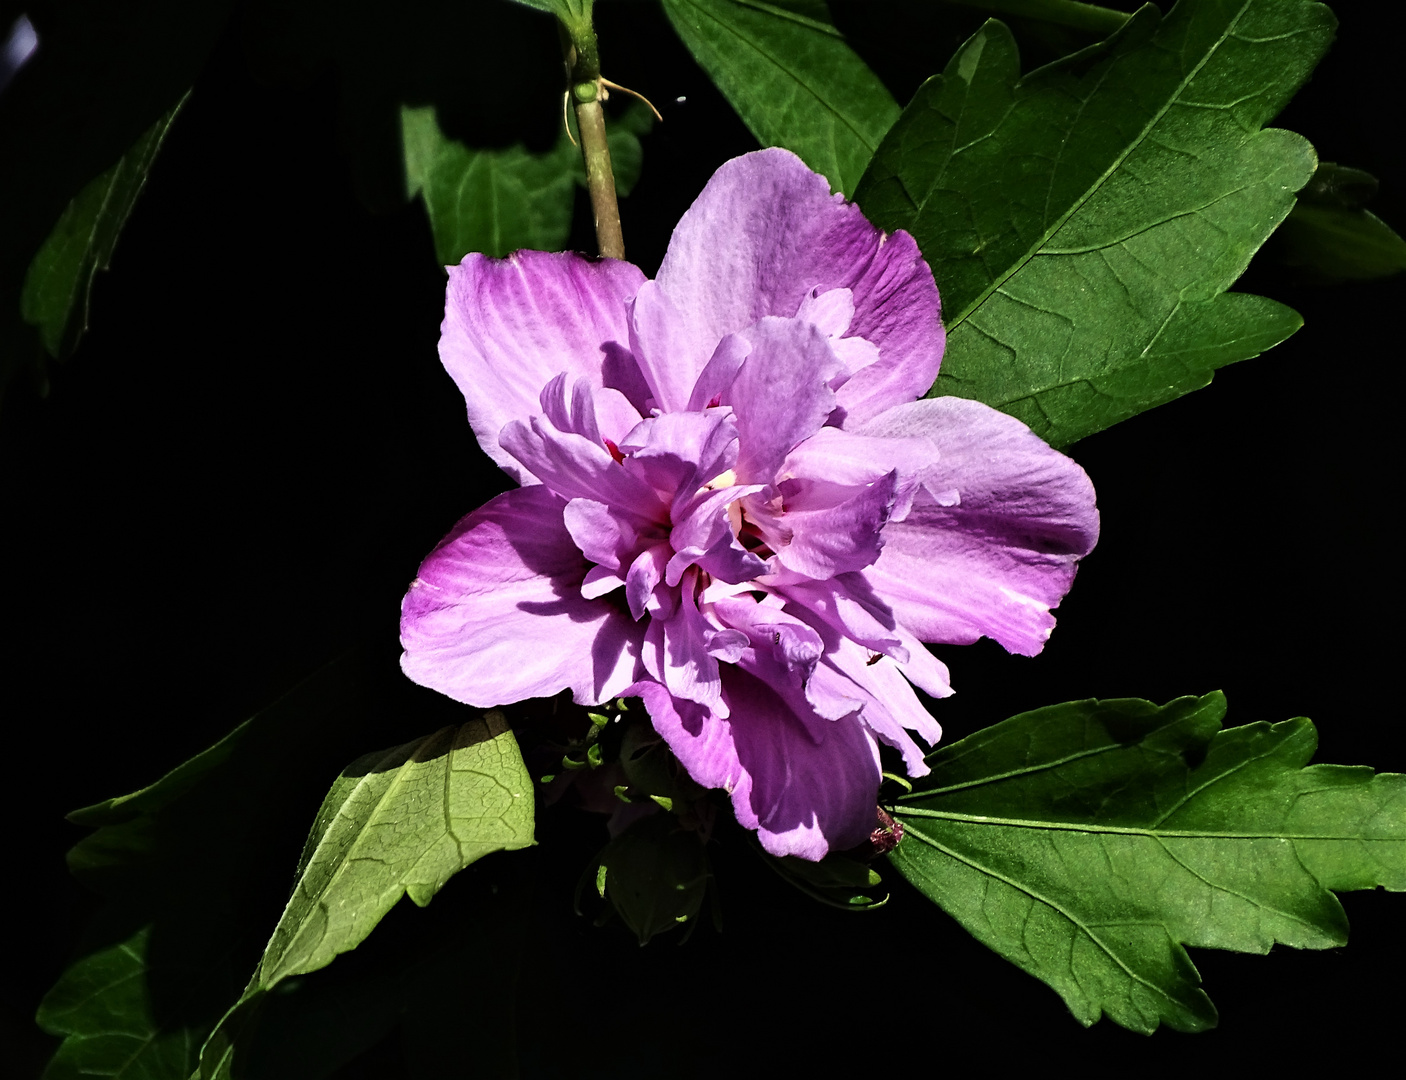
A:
x: 734, y: 506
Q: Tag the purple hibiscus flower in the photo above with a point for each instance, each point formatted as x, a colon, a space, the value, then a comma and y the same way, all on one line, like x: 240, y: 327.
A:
x: 732, y: 504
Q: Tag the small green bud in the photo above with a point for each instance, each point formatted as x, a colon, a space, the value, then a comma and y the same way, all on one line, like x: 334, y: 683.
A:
x: 593, y: 755
x: 664, y: 801
x: 597, y: 719
x: 600, y: 880
x: 620, y: 792
x: 548, y: 778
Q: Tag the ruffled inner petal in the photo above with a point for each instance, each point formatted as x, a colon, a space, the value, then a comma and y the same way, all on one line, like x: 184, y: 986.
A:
x: 677, y: 453
x: 781, y: 395
x: 807, y: 797
x: 575, y: 467
x: 703, y: 534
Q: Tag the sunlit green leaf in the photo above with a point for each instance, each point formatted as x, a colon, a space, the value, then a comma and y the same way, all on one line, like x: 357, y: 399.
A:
x: 180, y: 865
x: 398, y: 822
x: 60, y: 278
x: 442, y: 975
x: 498, y: 201
x: 1084, y: 222
x: 1089, y: 842
x: 792, y: 78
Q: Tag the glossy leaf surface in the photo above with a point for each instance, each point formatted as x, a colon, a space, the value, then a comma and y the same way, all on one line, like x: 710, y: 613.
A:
x: 1084, y: 222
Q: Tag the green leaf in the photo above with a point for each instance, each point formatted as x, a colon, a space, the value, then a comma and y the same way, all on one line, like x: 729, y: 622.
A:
x: 836, y: 880
x: 1088, y: 842
x: 789, y: 74
x: 1342, y: 245
x: 493, y: 201
x: 568, y: 11
x: 498, y: 201
x: 179, y: 865
x: 1084, y: 222
x: 655, y: 875
x: 103, y: 1009
x: 59, y: 283
x: 443, y: 976
x: 1333, y: 237
x: 398, y: 822
x: 1087, y: 17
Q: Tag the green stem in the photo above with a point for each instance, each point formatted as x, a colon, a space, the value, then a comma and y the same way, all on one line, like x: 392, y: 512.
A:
x: 1088, y: 17
x: 583, y: 70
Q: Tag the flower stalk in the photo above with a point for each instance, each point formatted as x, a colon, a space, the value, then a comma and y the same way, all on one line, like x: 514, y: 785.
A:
x: 583, y: 73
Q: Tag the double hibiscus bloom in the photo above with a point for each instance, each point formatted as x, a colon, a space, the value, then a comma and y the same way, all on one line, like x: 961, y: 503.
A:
x: 733, y: 504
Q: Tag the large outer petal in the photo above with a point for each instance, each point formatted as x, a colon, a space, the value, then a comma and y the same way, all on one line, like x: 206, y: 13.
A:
x: 996, y: 562
x: 511, y: 325
x: 804, y: 796
x: 764, y: 233
x: 496, y: 614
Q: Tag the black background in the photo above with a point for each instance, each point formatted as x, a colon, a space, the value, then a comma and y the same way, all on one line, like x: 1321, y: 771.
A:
x: 236, y: 475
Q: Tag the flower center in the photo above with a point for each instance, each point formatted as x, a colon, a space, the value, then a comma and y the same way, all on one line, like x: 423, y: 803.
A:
x: 722, y: 480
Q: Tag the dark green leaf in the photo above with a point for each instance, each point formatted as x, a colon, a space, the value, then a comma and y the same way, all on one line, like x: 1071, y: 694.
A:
x: 1088, y: 842
x: 398, y: 822
x: 103, y: 1008
x: 655, y: 875
x: 498, y: 201
x: 791, y: 77
x: 1342, y: 245
x: 1333, y: 237
x: 493, y: 201
x: 1087, y: 17
x: 60, y: 279
x: 1083, y: 222
x: 835, y: 880
x: 568, y: 11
